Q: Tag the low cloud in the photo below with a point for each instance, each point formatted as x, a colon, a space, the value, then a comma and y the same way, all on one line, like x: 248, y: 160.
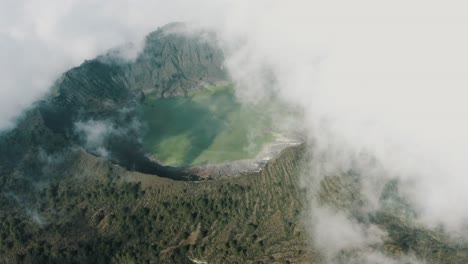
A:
x: 336, y: 232
x: 95, y: 135
x: 94, y: 132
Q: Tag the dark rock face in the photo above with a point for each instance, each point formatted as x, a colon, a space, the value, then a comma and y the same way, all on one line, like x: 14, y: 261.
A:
x: 93, y: 89
x: 173, y: 64
x: 93, y: 86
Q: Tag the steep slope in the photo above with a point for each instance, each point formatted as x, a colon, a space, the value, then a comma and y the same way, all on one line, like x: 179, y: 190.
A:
x: 101, y: 213
x: 175, y: 62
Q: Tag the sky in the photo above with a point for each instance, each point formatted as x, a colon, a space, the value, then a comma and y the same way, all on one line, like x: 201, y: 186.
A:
x: 387, y: 78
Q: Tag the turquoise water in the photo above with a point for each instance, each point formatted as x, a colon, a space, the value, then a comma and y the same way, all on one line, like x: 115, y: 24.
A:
x: 207, y: 127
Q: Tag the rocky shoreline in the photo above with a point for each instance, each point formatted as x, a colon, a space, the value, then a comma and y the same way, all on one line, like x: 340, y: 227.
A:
x: 239, y: 167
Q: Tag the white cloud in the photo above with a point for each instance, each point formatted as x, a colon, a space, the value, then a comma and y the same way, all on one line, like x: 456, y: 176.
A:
x: 335, y: 232
x: 387, y: 78
x: 95, y: 132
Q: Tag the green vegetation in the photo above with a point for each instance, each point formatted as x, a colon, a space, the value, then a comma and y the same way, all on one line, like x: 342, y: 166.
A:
x: 205, y: 127
x: 104, y: 214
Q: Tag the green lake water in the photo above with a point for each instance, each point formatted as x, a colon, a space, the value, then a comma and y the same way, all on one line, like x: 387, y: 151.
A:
x: 206, y: 127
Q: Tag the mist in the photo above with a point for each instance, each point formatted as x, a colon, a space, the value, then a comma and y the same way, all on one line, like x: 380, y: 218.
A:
x: 375, y: 78
x: 386, y: 79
